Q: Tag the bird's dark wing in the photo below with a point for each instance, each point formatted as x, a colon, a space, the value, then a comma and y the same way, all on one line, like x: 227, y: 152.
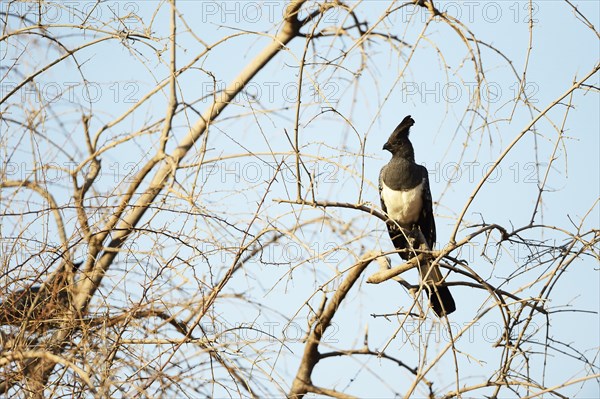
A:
x: 426, y: 220
x: 439, y: 295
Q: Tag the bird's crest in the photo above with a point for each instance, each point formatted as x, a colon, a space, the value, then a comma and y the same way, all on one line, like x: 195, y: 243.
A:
x: 404, y: 127
x: 398, y: 143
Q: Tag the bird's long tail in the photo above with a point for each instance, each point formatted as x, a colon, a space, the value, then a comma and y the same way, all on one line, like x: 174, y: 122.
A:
x: 441, y: 300
x: 439, y: 295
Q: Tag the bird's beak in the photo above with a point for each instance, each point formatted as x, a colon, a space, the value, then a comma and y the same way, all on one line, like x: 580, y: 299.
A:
x: 386, y: 146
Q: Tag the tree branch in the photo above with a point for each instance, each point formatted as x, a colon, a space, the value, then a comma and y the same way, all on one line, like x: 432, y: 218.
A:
x: 303, y: 383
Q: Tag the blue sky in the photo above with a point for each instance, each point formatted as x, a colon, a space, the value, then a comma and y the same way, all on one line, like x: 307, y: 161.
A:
x: 436, y: 90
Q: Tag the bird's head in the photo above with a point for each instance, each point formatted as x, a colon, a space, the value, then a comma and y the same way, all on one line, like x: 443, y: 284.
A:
x: 398, y: 143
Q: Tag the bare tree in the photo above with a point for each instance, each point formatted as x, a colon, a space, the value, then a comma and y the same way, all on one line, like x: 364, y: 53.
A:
x: 189, y: 208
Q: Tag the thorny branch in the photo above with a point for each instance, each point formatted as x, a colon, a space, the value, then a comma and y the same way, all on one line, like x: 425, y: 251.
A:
x: 177, y: 270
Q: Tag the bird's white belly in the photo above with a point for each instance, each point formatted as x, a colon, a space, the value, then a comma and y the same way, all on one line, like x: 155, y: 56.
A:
x: 403, y: 206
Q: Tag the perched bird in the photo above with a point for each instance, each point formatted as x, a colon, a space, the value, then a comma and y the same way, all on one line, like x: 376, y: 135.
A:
x: 39, y: 305
x: 406, y: 199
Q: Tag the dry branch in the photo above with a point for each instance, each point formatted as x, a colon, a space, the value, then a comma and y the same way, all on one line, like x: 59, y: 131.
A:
x: 303, y: 382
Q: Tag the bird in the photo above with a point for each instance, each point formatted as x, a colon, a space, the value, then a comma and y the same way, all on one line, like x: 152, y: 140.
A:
x: 39, y: 305
x: 406, y: 200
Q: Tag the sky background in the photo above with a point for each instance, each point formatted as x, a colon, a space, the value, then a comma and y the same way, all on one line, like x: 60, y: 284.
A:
x: 435, y: 89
